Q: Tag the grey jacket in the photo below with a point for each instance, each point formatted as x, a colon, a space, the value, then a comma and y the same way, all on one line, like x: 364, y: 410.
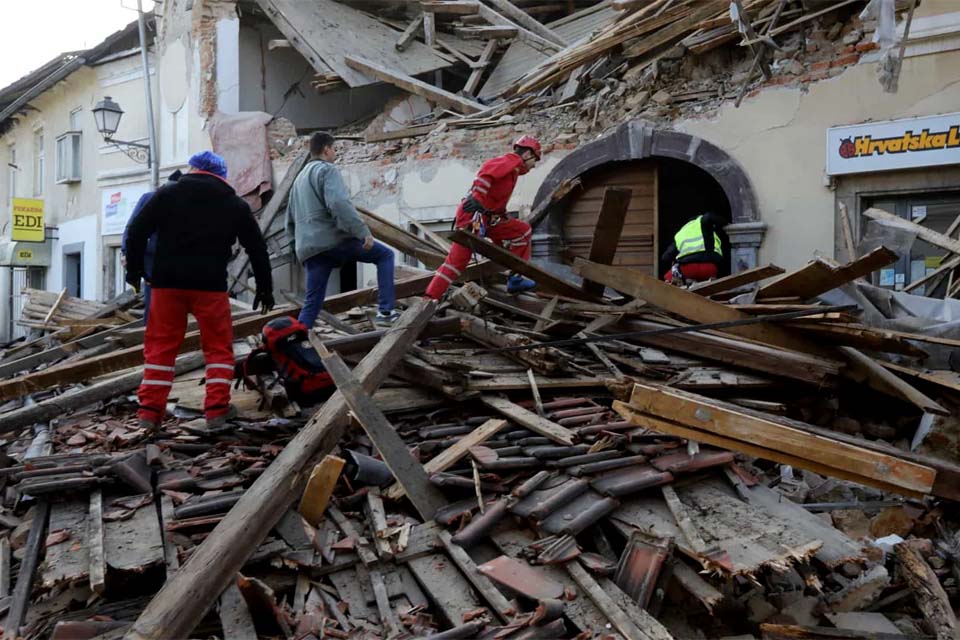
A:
x: 319, y: 213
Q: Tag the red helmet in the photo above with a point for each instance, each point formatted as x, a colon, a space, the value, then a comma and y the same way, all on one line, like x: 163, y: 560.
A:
x: 529, y: 142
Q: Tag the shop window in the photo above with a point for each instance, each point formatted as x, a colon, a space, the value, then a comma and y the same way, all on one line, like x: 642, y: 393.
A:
x: 68, y: 157
x: 940, y: 213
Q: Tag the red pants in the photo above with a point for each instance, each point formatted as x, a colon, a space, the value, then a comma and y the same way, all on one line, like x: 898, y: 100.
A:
x: 697, y: 271
x: 515, y: 234
x: 166, y: 327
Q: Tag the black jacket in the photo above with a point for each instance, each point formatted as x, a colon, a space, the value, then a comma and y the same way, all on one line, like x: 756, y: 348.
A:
x: 710, y: 223
x: 197, y: 220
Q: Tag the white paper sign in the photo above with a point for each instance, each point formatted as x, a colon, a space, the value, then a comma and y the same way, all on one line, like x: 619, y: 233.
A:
x: 116, y: 205
x: 894, y: 144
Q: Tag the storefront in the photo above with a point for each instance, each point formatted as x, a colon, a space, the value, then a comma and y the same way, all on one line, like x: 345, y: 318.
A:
x: 910, y: 168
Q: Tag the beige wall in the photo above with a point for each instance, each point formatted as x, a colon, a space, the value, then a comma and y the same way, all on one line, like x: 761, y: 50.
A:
x: 779, y: 137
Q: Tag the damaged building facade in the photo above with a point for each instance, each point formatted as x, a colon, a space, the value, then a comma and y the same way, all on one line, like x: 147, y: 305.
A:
x: 663, y: 122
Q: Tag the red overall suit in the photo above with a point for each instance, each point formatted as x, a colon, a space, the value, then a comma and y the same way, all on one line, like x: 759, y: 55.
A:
x: 197, y: 220
x: 492, y: 189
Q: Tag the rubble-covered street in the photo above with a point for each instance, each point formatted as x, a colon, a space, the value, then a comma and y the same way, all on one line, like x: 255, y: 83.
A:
x: 772, y: 453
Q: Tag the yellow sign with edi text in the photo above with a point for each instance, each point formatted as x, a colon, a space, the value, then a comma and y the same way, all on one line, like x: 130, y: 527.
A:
x: 27, y: 220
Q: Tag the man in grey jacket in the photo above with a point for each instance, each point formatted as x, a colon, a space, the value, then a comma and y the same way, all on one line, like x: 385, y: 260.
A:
x: 327, y: 232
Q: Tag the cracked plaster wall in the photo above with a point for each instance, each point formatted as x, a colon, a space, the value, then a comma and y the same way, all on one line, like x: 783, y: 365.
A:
x: 779, y: 137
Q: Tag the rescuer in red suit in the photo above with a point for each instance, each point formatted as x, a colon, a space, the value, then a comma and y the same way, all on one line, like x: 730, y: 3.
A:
x: 484, y: 212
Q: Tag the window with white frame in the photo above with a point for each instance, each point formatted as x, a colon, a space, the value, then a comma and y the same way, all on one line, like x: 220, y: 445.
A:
x: 68, y: 157
x: 75, y: 115
x: 39, y: 163
x: 11, y: 173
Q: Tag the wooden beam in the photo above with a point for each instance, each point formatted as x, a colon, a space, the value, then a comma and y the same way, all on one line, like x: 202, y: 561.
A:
x: 487, y: 32
x: 410, y: 33
x: 618, y: 618
x: 58, y: 405
x: 54, y: 306
x: 927, y: 591
x: 409, y: 473
x: 689, y: 305
x: 530, y: 420
x: 473, y: 82
x: 924, y: 233
x: 449, y: 456
x: 606, y: 236
x: 184, y: 599
x: 735, y: 280
x: 526, y: 35
x: 401, y: 239
x: 412, y: 85
x: 877, y: 377
x: 98, y: 563
x: 707, y: 437
x: 28, y: 569
x: 775, y: 432
x: 451, y: 7
x: 796, y: 632
x: 818, y: 276
x: 480, y: 582
x: 523, y: 19
x: 503, y: 257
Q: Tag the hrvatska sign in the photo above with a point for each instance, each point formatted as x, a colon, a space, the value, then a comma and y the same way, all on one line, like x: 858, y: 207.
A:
x: 894, y: 144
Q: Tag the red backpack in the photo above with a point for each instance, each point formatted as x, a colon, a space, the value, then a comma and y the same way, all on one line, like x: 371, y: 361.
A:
x: 286, y: 349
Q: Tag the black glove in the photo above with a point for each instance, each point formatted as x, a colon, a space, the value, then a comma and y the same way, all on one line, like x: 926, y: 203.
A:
x: 471, y: 205
x: 264, y: 300
x: 133, y: 279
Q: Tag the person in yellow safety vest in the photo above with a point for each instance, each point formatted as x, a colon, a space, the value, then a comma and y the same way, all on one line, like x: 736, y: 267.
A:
x: 697, y: 249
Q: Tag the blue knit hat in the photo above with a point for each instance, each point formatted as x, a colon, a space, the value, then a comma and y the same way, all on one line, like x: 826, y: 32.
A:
x: 210, y: 162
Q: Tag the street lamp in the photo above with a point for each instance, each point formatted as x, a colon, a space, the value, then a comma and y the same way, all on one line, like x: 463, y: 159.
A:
x: 107, y: 114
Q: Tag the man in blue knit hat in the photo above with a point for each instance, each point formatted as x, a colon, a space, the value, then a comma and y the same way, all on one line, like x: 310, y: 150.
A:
x: 196, y: 221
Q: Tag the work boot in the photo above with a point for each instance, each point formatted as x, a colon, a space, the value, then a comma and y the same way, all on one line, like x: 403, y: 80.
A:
x: 518, y: 284
x: 387, y: 317
x: 220, y: 421
x: 150, y: 426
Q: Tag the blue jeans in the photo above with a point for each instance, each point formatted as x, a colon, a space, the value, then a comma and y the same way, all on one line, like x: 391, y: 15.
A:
x: 319, y: 267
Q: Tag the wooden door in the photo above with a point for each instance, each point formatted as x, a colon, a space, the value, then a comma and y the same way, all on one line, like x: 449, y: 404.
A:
x: 638, y: 240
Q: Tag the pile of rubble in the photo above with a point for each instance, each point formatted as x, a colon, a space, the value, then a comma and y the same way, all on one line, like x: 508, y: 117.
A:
x: 614, y: 457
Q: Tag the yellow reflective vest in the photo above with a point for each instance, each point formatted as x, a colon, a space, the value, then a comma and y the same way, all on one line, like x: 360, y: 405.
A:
x: 689, y: 239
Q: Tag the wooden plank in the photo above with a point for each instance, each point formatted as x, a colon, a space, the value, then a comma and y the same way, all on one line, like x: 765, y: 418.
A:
x: 525, y: 20
x: 487, y: 33
x: 774, y: 432
x: 64, y: 564
x: 377, y: 517
x: 98, y: 563
x: 530, y: 420
x: 409, y: 34
x: 170, y: 556
x: 614, y: 613
x: 451, y: 7
x: 320, y: 486
x: 401, y: 239
x: 28, y: 568
x: 927, y: 591
x: 689, y: 305
x: 819, y: 276
x: 135, y: 544
x: 415, y: 86
x: 526, y: 35
x: 53, y: 307
x: 924, y: 233
x: 847, y: 231
x: 796, y: 632
x: 452, y: 454
x: 501, y: 256
x: 183, y: 600
x: 501, y: 606
x: 707, y: 437
x: 276, y: 206
x: 4, y: 567
x: 388, y: 617
x: 425, y: 497
x: 735, y: 280
x: 473, y: 82
x: 877, y: 377
x: 235, y: 618
x: 447, y: 587
x: 606, y: 238
x: 308, y: 26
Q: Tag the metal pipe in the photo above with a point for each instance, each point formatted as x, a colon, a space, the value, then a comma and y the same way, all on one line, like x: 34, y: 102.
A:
x: 148, y: 91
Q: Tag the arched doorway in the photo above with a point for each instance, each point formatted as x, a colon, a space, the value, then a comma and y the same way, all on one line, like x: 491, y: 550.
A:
x: 672, y: 176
